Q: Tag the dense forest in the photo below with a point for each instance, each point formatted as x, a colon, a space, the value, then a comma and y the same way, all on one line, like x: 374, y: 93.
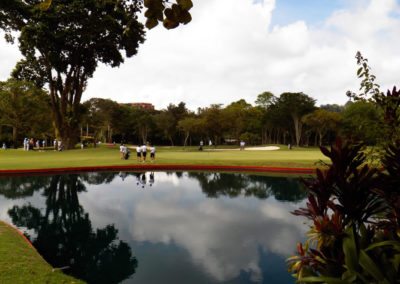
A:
x: 290, y: 118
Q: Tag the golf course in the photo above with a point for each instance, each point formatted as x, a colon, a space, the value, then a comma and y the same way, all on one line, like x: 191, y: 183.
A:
x: 108, y: 156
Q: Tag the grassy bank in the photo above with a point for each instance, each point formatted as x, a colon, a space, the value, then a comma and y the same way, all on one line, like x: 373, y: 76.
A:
x: 109, y: 155
x: 20, y: 263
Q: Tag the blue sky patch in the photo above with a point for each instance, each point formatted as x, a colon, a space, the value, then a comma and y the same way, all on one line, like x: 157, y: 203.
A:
x: 312, y: 12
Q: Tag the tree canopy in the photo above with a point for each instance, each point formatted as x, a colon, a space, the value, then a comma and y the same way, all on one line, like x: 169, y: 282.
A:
x: 62, y: 43
x: 25, y: 108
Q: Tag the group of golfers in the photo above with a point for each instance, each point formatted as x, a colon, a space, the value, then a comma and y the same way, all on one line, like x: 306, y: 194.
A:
x: 141, y: 152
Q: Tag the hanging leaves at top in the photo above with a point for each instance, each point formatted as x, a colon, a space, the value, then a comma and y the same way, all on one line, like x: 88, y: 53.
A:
x: 171, y: 17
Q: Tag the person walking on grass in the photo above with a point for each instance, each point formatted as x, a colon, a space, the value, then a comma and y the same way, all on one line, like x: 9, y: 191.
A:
x: 242, y: 144
x: 144, y: 152
x: 139, y: 153
x: 122, y: 150
x: 26, y: 144
x: 152, y: 153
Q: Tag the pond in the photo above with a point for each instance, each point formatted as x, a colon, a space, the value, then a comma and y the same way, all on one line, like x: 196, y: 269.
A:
x: 159, y: 227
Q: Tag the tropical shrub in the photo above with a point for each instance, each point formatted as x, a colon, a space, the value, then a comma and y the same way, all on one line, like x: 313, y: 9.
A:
x: 354, y: 214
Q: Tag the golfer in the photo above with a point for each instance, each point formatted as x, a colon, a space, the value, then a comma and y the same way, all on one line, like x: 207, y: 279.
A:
x: 139, y: 153
x: 152, y: 153
x: 144, y: 152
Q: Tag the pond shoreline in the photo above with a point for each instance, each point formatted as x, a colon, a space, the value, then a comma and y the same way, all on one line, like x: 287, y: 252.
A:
x: 163, y: 167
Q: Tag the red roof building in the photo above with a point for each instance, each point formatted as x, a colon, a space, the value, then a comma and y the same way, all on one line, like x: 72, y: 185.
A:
x: 147, y: 106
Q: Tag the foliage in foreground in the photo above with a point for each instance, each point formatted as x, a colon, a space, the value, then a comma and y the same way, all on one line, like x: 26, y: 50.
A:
x: 355, y: 216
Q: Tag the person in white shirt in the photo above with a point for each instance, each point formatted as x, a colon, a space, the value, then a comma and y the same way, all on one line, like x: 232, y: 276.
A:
x: 26, y: 144
x: 139, y: 153
x: 152, y: 153
x: 242, y: 144
x: 144, y: 152
x: 122, y: 150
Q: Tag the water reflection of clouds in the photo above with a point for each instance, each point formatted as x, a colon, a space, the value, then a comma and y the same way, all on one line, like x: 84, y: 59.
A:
x: 36, y: 200
x: 222, y: 235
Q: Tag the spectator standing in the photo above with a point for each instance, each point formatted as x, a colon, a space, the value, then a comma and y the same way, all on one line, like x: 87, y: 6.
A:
x: 31, y: 144
x: 121, y: 151
x: 26, y: 144
x: 152, y: 153
x: 242, y: 145
x: 144, y: 152
x: 60, y: 145
x: 139, y: 153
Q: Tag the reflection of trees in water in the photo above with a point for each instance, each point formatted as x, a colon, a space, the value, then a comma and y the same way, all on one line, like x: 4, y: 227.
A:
x: 21, y: 186
x: 233, y: 185
x: 65, y: 237
x: 98, y: 177
x: 14, y: 187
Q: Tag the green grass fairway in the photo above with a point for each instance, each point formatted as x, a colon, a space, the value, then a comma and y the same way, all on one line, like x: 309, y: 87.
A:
x: 19, y: 263
x: 109, y: 156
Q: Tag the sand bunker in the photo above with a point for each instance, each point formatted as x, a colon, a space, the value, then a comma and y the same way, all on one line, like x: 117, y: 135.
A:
x: 266, y: 148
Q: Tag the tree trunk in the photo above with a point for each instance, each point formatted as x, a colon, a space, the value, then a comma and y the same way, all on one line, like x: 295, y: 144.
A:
x: 170, y: 140
x: 65, y: 95
x: 14, y: 135
x: 297, y: 128
x: 186, y: 138
x: 278, y: 133
x: 320, y: 137
x: 69, y: 135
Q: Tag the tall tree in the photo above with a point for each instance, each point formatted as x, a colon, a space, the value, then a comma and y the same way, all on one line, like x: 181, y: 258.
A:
x: 322, y: 121
x: 265, y: 99
x: 62, y: 43
x: 167, y: 120
x: 235, y: 117
x: 264, y: 102
x: 24, y: 108
x: 189, y: 125
x: 212, y: 122
x: 101, y: 116
x: 296, y: 105
x: 362, y: 121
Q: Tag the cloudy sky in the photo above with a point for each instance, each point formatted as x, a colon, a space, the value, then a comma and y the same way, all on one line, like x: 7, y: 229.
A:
x: 236, y: 49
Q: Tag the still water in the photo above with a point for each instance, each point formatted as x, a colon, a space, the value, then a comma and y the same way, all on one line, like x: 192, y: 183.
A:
x: 182, y: 227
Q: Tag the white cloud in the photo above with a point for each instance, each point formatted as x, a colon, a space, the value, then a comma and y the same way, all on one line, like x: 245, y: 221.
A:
x: 230, y: 51
x: 215, y: 232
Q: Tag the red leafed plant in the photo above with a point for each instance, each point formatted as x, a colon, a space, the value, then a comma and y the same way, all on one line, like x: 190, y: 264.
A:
x: 354, y: 218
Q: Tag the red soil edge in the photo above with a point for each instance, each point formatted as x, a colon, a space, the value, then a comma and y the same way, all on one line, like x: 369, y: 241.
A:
x: 151, y: 167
